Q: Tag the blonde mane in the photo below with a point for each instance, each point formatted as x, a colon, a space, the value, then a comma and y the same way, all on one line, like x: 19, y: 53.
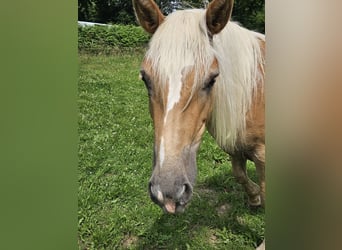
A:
x: 182, y: 40
x: 241, y: 69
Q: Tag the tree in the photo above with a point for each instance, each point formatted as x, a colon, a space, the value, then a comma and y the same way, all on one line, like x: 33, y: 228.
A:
x: 250, y: 13
x: 168, y: 6
x: 86, y: 10
x: 115, y: 11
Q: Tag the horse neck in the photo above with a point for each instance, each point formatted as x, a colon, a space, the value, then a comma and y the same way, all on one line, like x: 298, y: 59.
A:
x: 240, y: 60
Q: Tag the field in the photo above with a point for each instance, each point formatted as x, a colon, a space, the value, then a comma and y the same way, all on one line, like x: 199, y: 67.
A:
x: 115, y: 161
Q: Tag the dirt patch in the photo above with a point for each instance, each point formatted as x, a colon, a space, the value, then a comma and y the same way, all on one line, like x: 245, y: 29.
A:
x: 223, y: 209
x: 211, y: 196
x: 129, y: 240
x: 208, y: 194
x: 213, y: 239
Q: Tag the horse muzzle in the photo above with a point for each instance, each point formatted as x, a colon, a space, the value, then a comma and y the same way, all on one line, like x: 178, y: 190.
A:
x: 172, y: 199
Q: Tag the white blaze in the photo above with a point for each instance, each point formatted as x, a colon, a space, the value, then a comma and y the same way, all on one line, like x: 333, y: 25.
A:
x: 174, y: 93
x: 173, y: 97
x: 161, y: 152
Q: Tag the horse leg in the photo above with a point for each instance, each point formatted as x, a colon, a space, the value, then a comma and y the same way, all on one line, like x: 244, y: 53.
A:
x: 240, y: 174
x: 259, y: 161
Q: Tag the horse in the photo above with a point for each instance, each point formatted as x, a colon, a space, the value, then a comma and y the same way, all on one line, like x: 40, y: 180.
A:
x: 202, y: 71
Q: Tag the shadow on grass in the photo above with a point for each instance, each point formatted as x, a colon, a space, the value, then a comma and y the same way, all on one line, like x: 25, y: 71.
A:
x: 218, y: 217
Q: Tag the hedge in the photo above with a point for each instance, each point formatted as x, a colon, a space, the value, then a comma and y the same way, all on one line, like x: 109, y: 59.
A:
x: 111, y: 38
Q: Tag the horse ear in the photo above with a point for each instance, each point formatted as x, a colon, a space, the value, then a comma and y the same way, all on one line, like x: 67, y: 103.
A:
x: 148, y: 14
x: 218, y: 14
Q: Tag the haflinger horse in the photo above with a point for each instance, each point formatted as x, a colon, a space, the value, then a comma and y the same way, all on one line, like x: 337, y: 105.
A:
x: 202, y: 71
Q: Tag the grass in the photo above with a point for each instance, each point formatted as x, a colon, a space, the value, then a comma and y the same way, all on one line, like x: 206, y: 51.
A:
x: 115, y: 162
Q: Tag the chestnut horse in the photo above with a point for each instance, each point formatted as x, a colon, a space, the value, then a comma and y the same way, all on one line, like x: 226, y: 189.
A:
x: 202, y: 71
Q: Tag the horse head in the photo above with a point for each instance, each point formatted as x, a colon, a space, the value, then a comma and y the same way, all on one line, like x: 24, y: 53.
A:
x: 179, y: 71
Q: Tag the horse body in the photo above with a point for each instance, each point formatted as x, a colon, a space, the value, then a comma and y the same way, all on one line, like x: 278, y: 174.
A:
x: 238, y: 118
x: 201, y: 72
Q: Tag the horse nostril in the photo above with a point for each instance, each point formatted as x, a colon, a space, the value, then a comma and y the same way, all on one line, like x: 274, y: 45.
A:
x: 155, y: 192
x: 185, y: 191
x: 187, y: 188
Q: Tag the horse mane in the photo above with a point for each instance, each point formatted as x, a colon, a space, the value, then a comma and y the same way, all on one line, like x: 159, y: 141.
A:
x: 182, y: 40
x: 241, y: 69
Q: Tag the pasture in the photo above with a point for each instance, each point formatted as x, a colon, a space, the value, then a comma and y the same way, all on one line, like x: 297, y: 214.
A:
x: 115, y: 161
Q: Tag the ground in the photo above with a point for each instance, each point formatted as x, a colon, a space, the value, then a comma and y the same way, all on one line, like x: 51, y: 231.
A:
x: 115, y: 161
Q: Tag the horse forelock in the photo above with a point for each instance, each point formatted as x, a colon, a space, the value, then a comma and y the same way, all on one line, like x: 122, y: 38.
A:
x: 180, y: 45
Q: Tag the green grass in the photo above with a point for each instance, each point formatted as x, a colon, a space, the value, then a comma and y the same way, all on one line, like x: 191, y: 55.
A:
x: 115, y: 162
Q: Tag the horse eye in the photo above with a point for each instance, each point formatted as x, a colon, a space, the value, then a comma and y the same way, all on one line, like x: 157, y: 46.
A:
x: 210, y: 83
x: 147, y: 81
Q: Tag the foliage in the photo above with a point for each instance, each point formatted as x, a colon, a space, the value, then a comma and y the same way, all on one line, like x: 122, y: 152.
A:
x: 106, y: 11
x: 115, y: 11
x: 115, y: 157
x: 110, y: 38
x: 87, y: 10
x: 250, y: 13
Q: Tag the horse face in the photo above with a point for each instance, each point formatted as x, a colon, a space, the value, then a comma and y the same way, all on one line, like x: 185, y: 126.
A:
x: 179, y: 72
x: 179, y: 112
